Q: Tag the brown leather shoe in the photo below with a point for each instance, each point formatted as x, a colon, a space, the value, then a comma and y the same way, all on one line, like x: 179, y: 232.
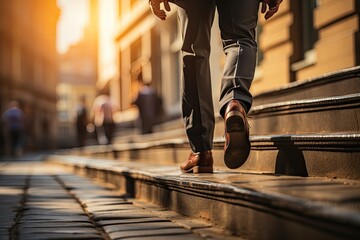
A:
x: 201, y: 162
x: 237, y: 143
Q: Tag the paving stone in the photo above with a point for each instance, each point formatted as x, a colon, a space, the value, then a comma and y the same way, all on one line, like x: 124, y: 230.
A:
x: 99, y: 203
x: 58, y: 236
x: 104, y: 208
x: 47, y: 194
x: 50, y: 182
x: 10, y: 207
x: 52, y: 204
x: 11, y: 191
x: 54, y: 207
x: 105, y: 201
x: 91, y: 194
x: 57, y: 218
x: 58, y: 221
x: 54, y: 224
x: 192, y: 224
x: 60, y: 230
x: 120, y: 208
x: 140, y: 226
x: 129, y: 221
x: 13, y: 200
x: 7, y: 214
x: 51, y: 212
x: 8, y: 224
x: 4, y: 235
x: 89, y: 191
x: 47, y: 198
x: 35, y: 187
x: 126, y: 214
x: 170, y: 232
x: 172, y: 237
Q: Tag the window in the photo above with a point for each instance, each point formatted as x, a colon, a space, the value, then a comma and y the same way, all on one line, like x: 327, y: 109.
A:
x: 303, y: 35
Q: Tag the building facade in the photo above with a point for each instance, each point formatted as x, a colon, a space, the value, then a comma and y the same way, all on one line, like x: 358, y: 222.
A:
x: 78, y: 73
x: 28, y: 66
x: 307, y: 39
x: 303, y: 40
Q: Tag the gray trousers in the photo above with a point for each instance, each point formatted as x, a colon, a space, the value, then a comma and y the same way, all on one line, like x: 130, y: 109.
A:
x: 237, y: 22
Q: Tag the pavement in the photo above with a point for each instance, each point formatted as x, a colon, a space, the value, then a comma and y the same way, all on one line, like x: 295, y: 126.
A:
x: 241, y: 202
x: 40, y: 200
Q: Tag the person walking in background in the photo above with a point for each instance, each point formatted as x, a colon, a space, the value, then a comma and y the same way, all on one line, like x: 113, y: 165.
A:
x: 237, y: 22
x: 81, y: 121
x: 102, y: 115
x: 14, y: 122
x: 148, y: 104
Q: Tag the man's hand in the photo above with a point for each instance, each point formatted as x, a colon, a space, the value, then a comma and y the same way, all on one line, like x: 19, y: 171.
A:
x: 157, y: 11
x: 273, y: 7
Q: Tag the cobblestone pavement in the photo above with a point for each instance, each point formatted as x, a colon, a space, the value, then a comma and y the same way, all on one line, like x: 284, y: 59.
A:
x: 42, y: 201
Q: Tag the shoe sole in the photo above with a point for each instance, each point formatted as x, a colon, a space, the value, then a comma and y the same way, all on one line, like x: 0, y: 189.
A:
x: 238, y: 149
x: 199, y: 169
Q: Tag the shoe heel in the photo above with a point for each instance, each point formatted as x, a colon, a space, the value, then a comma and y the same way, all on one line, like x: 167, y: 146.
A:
x: 203, y: 169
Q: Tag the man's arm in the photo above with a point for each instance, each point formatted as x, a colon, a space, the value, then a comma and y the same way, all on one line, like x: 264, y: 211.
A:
x: 273, y: 7
x: 157, y: 11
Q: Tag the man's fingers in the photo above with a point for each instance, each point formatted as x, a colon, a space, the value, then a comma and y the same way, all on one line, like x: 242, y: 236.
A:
x: 167, y: 5
x: 268, y: 15
x: 263, y: 7
x: 155, y: 7
x: 274, y: 7
x: 161, y: 15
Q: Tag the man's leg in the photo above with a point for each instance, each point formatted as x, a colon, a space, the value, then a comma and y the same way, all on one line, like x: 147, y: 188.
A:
x: 196, y: 18
x: 237, y: 20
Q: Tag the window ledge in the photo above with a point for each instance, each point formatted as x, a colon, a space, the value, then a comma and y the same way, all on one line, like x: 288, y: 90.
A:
x: 309, y: 60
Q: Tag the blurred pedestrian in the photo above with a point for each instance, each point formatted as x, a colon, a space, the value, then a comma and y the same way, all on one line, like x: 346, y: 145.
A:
x: 237, y: 23
x: 14, y: 122
x: 102, y: 115
x: 81, y: 121
x: 148, y: 103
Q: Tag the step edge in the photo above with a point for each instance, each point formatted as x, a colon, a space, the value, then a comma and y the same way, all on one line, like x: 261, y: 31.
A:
x: 342, y: 74
x: 315, y: 103
x: 278, y: 200
x: 335, y: 139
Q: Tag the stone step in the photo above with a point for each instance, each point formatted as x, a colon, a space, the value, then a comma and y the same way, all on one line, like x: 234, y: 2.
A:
x: 322, y: 115
x: 311, y: 104
x: 318, y: 115
x: 342, y: 82
x: 316, y: 155
x: 250, y: 205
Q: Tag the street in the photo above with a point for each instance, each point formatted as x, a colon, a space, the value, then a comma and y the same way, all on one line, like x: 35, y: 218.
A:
x: 39, y: 200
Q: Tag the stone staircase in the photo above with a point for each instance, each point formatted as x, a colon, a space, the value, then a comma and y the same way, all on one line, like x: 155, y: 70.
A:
x: 302, y: 178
